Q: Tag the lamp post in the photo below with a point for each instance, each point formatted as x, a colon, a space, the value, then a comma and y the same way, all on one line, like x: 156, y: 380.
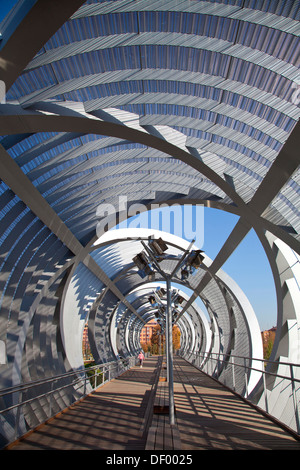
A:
x: 155, y: 251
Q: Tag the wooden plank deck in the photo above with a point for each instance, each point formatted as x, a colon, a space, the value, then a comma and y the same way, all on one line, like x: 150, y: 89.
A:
x: 210, y: 417
x: 119, y: 416
x: 112, y: 418
x: 162, y: 435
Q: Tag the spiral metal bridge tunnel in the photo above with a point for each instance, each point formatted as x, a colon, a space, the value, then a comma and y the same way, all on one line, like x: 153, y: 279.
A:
x: 112, y: 108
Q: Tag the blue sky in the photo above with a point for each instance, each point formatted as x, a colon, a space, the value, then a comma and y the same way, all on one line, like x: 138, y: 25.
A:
x: 5, y: 7
x: 247, y: 266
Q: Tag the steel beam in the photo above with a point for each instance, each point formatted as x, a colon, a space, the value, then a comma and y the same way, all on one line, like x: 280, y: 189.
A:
x: 20, y: 184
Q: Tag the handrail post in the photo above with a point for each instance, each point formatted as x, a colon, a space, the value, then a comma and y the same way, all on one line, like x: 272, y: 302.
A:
x: 246, y: 379
x: 18, y: 412
x: 50, y: 401
x: 265, y: 392
x: 233, y: 373
x: 295, y: 398
x: 170, y: 354
x: 84, y: 386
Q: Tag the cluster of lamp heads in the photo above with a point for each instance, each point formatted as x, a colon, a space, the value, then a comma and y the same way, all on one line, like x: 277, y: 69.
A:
x: 157, y: 301
x: 144, y: 262
x: 147, y: 263
x: 157, y: 248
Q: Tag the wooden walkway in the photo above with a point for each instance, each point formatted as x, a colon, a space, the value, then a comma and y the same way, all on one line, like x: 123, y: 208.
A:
x: 211, y: 417
x: 119, y: 415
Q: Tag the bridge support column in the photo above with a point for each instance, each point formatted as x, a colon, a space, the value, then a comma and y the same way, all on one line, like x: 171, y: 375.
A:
x: 169, y: 338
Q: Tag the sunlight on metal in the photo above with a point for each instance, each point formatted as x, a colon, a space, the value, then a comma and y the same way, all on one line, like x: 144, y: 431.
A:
x: 110, y: 108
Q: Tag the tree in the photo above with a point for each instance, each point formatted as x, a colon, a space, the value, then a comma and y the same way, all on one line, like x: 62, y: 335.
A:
x: 157, y: 337
x: 155, y: 340
x: 176, y: 338
x: 268, y: 349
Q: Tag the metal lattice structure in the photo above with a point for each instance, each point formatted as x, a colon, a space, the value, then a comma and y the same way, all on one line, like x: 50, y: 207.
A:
x: 193, y: 102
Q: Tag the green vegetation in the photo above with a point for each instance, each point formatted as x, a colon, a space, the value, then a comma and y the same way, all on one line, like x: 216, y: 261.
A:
x: 95, y: 375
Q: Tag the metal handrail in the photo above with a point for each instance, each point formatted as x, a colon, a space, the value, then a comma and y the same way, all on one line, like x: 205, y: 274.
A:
x: 27, y: 385
x: 252, y: 359
x: 108, y: 371
x: 230, y: 359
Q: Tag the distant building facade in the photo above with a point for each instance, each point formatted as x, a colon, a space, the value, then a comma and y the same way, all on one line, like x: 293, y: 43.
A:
x: 86, y: 349
x: 147, y: 331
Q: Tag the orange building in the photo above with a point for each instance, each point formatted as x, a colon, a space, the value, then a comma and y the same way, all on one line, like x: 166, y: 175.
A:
x: 146, y: 333
x: 86, y: 349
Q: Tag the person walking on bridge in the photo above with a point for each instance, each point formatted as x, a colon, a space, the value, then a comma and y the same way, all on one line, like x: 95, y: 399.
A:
x: 141, y: 358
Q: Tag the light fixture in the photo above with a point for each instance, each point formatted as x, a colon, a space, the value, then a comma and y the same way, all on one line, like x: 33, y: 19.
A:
x: 141, y: 261
x: 157, y: 246
x: 178, y: 300
x: 161, y: 311
x: 195, y: 259
x: 184, y: 274
x: 161, y: 292
x: 193, y: 262
x: 152, y: 300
